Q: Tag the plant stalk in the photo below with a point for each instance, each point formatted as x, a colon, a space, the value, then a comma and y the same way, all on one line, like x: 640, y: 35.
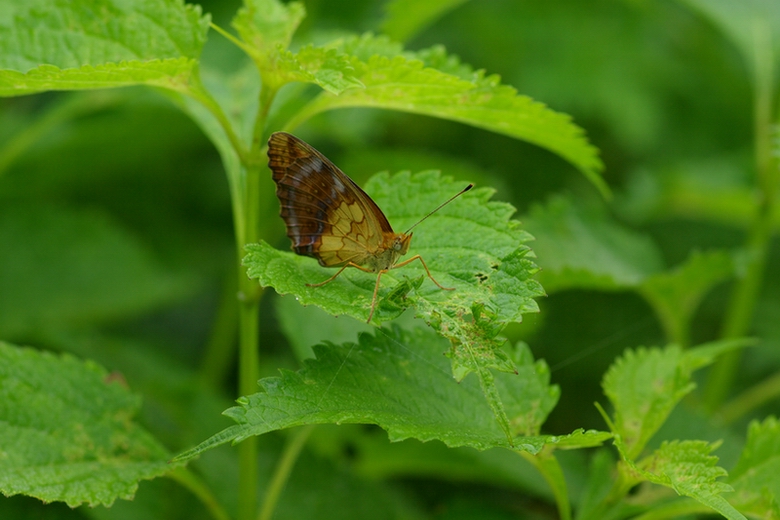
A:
x: 754, y: 397
x: 219, y: 353
x: 249, y: 361
x: 283, y: 469
x: 743, y: 302
x: 546, y: 463
x: 190, y: 481
x: 249, y: 293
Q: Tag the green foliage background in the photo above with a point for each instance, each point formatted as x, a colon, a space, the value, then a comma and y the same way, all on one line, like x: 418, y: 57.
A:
x: 119, y: 238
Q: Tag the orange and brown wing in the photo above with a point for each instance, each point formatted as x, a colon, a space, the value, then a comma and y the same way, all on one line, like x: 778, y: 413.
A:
x: 326, y: 214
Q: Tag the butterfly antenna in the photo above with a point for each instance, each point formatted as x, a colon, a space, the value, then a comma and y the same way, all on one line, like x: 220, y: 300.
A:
x: 461, y: 192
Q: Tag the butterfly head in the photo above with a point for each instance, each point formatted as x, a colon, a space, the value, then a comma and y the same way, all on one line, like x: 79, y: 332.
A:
x: 401, y: 243
x: 394, y: 246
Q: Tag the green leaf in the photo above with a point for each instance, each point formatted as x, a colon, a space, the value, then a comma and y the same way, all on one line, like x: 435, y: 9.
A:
x: 580, y: 248
x: 675, y: 294
x: 267, y: 26
x: 74, y: 267
x: 173, y: 74
x: 756, y: 477
x: 405, y: 18
x: 400, y: 381
x: 377, y: 459
x: 65, y: 45
x: 67, y: 432
x: 644, y: 386
x: 408, y: 85
x: 328, y: 68
x: 578, y: 439
x: 471, y: 245
x: 715, y: 189
x: 331, y: 66
x: 689, y: 469
x: 367, y: 45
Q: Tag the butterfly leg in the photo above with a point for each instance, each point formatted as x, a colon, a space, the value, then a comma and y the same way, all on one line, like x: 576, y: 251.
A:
x: 350, y: 264
x: 376, y: 291
x: 418, y: 257
x: 405, y: 262
x: 376, y: 287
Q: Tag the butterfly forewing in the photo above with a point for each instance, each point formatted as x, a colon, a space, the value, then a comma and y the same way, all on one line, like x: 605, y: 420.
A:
x: 326, y: 214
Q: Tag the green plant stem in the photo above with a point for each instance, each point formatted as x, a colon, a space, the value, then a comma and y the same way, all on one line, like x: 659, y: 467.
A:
x: 249, y: 333
x: 266, y: 98
x: 219, y: 353
x: 548, y: 466
x: 754, y: 397
x: 238, y: 43
x: 245, y: 200
x: 189, y: 481
x: 739, y: 315
x: 248, y: 376
x: 290, y: 454
x: 249, y: 304
x: 625, y: 479
x: 199, y: 93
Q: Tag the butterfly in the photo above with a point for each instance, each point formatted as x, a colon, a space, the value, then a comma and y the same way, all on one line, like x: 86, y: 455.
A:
x: 331, y: 218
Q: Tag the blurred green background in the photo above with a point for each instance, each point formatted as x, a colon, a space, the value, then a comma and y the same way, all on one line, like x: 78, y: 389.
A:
x: 115, y: 221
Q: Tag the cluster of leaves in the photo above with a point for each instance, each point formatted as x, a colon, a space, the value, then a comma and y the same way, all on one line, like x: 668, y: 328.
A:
x: 69, y: 430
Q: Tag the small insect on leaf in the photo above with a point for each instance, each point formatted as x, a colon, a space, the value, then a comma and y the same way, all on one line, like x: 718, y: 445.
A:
x: 330, y: 218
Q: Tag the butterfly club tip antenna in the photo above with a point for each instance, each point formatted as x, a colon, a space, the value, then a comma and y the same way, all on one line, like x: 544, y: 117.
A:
x: 461, y: 192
